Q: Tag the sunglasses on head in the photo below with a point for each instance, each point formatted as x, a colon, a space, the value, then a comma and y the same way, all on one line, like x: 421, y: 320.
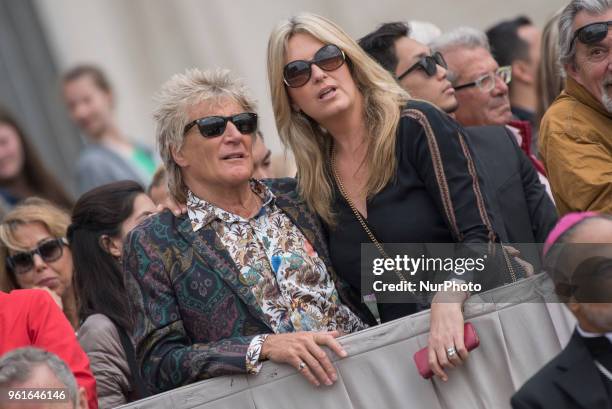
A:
x: 211, y: 126
x: 49, y: 250
x: 428, y: 63
x: 592, y: 33
x: 328, y: 58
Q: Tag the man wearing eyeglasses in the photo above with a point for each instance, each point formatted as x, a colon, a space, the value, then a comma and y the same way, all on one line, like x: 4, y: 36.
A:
x: 480, y: 84
x: 481, y: 87
x: 523, y: 212
x: 576, y: 131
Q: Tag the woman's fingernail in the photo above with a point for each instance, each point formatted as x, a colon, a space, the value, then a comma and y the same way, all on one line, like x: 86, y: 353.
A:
x: 334, y: 377
x: 343, y: 353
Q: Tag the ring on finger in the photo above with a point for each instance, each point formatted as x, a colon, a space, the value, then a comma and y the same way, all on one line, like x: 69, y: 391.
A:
x: 301, y: 366
x: 451, y: 351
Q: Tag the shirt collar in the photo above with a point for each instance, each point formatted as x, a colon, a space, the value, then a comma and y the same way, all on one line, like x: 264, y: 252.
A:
x: 201, y: 212
x: 587, y: 334
x: 573, y: 88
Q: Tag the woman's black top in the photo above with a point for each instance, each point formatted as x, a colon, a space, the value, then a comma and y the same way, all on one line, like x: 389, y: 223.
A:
x: 411, y: 208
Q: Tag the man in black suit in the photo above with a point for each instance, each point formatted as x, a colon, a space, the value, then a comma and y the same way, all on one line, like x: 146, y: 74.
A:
x: 523, y: 212
x: 580, y: 377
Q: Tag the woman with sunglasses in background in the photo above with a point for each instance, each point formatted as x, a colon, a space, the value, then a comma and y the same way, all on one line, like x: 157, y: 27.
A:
x: 34, y: 253
x: 101, y: 219
x: 374, y: 165
x: 243, y: 276
x: 420, y: 72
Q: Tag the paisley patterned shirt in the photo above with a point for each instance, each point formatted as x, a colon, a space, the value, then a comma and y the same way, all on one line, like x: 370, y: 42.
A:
x: 287, y: 277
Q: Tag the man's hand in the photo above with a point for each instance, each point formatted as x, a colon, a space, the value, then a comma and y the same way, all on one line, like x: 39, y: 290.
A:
x: 302, y: 351
x: 175, y: 207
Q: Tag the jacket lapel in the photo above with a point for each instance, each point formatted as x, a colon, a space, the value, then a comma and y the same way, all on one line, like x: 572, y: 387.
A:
x: 579, y: 377
x: 207, y: 245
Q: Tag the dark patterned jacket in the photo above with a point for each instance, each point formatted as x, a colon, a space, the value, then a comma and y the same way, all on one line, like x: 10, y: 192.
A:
x: 193, y: 318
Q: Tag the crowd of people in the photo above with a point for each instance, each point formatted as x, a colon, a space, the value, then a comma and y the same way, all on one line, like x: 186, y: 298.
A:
x: 166, y: 271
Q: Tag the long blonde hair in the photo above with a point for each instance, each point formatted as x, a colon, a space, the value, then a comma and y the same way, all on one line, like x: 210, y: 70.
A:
x: 550, y: 79
x: 383, y: 99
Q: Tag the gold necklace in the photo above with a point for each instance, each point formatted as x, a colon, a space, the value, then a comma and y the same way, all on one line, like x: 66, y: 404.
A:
x: 360, y: 219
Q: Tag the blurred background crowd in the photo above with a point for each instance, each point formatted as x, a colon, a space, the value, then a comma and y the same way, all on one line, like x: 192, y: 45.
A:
x: 139, y: 44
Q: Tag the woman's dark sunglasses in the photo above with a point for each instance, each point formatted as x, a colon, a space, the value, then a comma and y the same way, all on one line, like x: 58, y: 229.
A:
x: 22, y: 262
x: 328, y: 58
x: 429, y: 64
x: 211, y: 126
x: 592, y: 33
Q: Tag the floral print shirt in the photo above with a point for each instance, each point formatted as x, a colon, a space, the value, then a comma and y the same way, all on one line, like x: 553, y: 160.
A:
x: 287, y: 277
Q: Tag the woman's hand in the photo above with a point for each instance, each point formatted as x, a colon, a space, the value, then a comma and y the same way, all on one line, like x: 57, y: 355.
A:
x: 302, y: 351
x: 446, y: 332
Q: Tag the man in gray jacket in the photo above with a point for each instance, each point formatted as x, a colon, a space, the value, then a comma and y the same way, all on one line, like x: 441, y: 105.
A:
x: 109, y: 156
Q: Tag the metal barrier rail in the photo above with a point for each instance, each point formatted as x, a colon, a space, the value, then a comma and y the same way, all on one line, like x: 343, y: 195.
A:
x: 519, y: 332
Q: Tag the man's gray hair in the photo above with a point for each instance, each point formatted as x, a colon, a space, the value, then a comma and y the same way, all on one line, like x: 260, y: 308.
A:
x: 16, y: 368
x: 567, y: 48
x: 461, y: 37
x: 176, y: 97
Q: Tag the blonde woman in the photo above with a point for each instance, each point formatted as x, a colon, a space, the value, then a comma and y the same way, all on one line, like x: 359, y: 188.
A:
x: 34, y: 253
x: 374, y: 165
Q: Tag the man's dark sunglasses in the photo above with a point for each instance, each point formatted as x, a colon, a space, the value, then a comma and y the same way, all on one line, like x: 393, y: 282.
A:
x: 429, y: 64
x: 23, y: 262
x: 592, y: 33
x: 212, y: 126
x: 328, y: 58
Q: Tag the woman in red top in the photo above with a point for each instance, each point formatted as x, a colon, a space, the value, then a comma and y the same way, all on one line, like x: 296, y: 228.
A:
x: 32, y: 318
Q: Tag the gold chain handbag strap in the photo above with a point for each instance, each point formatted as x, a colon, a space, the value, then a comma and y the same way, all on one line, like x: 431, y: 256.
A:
x: 371, y: 235
x: 358, y: 215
